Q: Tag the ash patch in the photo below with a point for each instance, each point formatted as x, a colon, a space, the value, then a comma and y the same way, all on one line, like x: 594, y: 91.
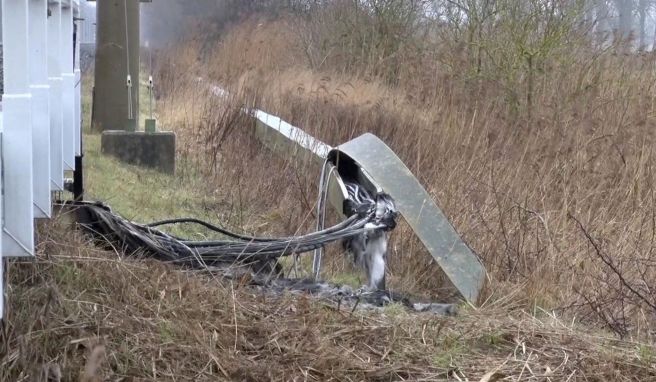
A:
x: 340, y: 295
x: 355, y: 298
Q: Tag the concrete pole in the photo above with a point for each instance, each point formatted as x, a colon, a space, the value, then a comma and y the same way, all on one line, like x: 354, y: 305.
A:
x: 117, y: 43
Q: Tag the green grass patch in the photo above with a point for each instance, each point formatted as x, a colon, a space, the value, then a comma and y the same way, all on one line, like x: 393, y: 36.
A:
x: 646, y: 354
x: 453, y: 347
x: 145, y: 195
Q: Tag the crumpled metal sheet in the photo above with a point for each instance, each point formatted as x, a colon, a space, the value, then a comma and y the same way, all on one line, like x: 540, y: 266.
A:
x: 429, y: 223
x: 379, y: 164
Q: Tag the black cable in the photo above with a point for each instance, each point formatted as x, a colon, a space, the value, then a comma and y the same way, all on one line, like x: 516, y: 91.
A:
x: 206, y: 225
x: 327, y: 231
x: 147, y: 240
x: 240, y: 236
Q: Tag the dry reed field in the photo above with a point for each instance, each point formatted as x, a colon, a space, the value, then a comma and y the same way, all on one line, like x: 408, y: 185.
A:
x: 557, y: 199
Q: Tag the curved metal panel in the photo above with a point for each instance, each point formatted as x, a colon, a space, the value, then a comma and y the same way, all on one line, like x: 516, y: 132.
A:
x: 429, y: 223
x: 378, y: 167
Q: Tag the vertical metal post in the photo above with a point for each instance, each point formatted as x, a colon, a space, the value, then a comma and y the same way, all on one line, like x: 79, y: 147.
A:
x: 78, y: 87
x: 18, y: 208
x: 68, y: 90
x: 40, y: 89
x: 78, y: 175
x: 56, y: 92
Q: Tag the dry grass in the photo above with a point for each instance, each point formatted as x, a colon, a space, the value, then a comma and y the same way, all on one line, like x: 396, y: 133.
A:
x: 514, y: 185
x: 90, y: 315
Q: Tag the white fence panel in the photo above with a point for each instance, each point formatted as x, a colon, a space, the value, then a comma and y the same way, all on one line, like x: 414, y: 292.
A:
x: 68, y: 91
x: 18, y: 208
x: 40, y: 116
x: 78, y: 93
x: 56, y: 92
x: 40, y: 89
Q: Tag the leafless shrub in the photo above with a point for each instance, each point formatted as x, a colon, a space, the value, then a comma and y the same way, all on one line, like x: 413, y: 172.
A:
x: 622, y: 289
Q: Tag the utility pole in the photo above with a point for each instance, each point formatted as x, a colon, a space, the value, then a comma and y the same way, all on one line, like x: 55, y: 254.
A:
x: 116, y: 99
x: 116, y: 96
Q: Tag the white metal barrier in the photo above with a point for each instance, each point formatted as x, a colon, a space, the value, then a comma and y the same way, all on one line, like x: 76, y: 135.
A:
x: 40, y: 118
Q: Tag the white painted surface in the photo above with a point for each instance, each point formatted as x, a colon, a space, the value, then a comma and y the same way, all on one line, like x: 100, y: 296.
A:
x: 68, y: 87
x: 78, y: 95
x: 56, y: 85
x: 18, y: 211
x: 294, y: 133
x: 40, y: 89
x: 78, y: 112
x: 36, y: 59
x: 41, y: 149
x: 18, y: 203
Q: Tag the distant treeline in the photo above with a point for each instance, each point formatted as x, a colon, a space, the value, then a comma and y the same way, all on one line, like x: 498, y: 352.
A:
x: 168, y: 21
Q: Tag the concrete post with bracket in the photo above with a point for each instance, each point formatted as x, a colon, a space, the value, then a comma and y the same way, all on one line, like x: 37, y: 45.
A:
x: 116, y: 105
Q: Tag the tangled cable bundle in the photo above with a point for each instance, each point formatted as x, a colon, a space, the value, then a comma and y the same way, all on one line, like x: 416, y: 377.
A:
x: 147, y: 240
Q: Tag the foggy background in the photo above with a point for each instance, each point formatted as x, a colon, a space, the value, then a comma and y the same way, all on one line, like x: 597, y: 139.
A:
x: 167, y: 21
